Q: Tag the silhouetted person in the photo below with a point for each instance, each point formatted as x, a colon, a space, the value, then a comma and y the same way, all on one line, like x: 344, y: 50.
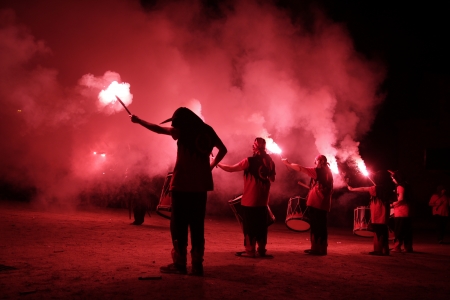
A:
x: 259, y: 172
x: 318, y: 202
x: 190, y: 182
x: 402, y: 214
x: 440, y: 205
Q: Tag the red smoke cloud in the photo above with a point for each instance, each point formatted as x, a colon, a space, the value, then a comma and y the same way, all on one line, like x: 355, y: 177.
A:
x: 248, y: 72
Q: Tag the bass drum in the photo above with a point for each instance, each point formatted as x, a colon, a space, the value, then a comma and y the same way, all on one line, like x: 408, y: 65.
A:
x: 361, y: 221
x: 236, y: 207
x: 296, y: 214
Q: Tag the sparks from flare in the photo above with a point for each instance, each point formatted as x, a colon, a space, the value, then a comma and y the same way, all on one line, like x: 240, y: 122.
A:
x: 362, y: 168
x: 334, y: 166
x: 272, y: 147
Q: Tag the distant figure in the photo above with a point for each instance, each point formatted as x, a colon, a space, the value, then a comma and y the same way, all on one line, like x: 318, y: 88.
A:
x: 259, y: 172
x: 191, y: 180
x: 440, y: 204
x: 380, y: 194
x: 136, y: 193
x: 318, y: 202
x: 402, y: 214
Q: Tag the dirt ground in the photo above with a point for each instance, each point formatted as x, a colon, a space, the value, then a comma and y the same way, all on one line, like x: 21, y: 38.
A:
x: 96, y: 254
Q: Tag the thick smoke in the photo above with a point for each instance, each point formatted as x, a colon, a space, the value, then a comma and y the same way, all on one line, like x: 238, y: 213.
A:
x: 248, y: 71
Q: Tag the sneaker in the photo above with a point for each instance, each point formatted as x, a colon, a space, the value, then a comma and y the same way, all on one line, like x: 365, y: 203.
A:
x: 173, y: 269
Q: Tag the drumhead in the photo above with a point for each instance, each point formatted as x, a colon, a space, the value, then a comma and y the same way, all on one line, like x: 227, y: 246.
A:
x: 297, y: 224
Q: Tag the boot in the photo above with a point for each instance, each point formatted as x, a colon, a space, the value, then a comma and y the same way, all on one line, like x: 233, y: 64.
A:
x: 197, y: 254
x: 250, y: 245
x: 376, y: 246
x: 317, y: 246
x: 178, y: 266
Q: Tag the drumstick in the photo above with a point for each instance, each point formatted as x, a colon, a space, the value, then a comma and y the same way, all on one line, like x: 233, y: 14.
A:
x: 302, y: 184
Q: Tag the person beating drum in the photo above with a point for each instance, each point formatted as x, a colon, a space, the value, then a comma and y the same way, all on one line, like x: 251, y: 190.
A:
x: 259, y: 172
x: 318, y: 202
x: 380, y: 195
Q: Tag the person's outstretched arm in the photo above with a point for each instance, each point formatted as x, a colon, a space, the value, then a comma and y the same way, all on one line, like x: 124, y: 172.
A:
x: 154, y: 127
x: 295, y: 167
x: 358, y: 189
x: 240, y: 166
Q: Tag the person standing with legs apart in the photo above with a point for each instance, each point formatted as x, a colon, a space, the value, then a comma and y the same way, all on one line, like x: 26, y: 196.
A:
x: 318, y: 202
x: 402, y: 214
x: 259, y: 172
x: 380, y: 194
x: 440, y: 203
x: 191, y: 180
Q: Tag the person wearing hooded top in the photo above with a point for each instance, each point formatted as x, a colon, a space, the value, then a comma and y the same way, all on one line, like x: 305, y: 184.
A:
x: 259, y: 172
x: 190, y: 182
x: 380, y: 195
x: 402, y: 214
x: 318, y: 202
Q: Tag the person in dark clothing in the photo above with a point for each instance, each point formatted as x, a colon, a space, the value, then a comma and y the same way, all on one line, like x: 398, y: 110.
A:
x: 191, y: 180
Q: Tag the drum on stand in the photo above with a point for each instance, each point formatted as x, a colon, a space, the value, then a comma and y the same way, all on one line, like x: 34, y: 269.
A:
x: 296, y: 214
x: 164, y: 208
x: 361, y: 221
x: 236, y: 207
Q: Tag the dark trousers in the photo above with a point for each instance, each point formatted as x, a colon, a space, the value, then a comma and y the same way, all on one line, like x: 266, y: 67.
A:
x: 441, y: 225
x: 255, y: 227
x: 381, y: 238
x: 403, y: 232
x: 319, y: 227
x: 139, y: 211
x: 188, y: 212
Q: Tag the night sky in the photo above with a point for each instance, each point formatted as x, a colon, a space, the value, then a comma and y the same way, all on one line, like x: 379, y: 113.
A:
x: 347, y: 73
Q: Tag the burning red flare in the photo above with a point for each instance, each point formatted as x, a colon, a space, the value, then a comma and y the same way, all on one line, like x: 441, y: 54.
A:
x: 115, y: 90
x: 362, y: 167
x: 272, y: 147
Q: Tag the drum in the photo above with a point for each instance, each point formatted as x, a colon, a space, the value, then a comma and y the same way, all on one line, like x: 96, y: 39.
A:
x: 236, y: 207
x: 295, y: 216
x: 361, y: 220
x: 164, y: 208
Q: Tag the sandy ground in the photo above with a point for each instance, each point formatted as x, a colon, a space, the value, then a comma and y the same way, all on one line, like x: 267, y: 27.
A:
x: 96, y: 254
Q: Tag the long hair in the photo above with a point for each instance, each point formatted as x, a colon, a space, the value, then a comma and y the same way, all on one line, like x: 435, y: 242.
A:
x: 383, y: 186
